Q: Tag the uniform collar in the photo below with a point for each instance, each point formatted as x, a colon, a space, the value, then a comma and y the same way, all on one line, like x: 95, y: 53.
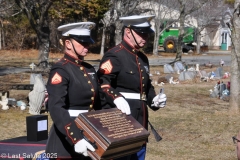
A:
x: 129, y: 47
x: 72, y: 59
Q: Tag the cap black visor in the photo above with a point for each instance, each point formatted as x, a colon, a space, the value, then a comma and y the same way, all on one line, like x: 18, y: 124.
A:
x: 142, y: 29
x: 82, y: 39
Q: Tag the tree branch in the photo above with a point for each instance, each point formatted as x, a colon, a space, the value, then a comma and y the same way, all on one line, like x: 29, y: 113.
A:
x: 23, y: 5
x: 5, y: 9
x: 44, y: 11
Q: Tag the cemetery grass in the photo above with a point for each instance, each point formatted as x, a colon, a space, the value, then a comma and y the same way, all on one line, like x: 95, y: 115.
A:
x: 193, y: 125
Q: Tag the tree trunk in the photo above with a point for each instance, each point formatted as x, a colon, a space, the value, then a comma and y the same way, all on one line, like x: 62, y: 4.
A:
x: 54, y: 39
x: 38, y: 18
x: 156, y: 36
x: 155, y: 45
x: 181, y: 33
x: 103, y: 41
x: 1, y: 35
x: 235, y: 79
x: 118, y: 32
x: 111, y: 36
x: 44, y: 45
x: 155, y: 42
x: 198, y: 41
x: 0, y: 38
x: 3, y: 39
x: 235, y: 61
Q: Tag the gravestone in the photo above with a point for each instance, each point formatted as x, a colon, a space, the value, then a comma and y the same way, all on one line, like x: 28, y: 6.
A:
x: 12, y: 102
x: 186, y: 75
x: 178, y: 66
x: 213, y: 94
x: 216, y: 90
x: 219, y: 72
x: 203, y: 73
x: 209, y: 74
x: 222, y: 88
x: 167, y: 77
x: 168, y: 68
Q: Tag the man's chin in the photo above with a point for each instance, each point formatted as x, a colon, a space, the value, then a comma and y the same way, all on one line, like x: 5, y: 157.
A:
x: 83, y: 54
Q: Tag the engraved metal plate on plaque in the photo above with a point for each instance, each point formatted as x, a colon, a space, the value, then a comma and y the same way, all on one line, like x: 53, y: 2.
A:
x: 113, y: 133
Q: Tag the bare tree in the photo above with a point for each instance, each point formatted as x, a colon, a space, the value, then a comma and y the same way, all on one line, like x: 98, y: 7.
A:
x: 235, y: 61
x: 170, y: 11
x: 122, y: 8
x: 37, y: 13
x: 185, y: 8
x: 164, y: 17
x: 103, y: 35
x: 6, y: 7
x: 210, y: 14
x: 111, y: 22
x: 107, y: 21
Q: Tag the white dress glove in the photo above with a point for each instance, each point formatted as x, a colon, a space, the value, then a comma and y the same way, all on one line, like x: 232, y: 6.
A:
x: 82, y: 146
x: 159, y: 100
x: 122, y: 105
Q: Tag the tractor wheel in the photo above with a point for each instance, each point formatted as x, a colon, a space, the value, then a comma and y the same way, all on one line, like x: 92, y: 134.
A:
x: 170, y: 44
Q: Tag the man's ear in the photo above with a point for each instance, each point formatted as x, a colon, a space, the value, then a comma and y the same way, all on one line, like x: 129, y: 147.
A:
x: 127, y: 32
x: 68, y: 44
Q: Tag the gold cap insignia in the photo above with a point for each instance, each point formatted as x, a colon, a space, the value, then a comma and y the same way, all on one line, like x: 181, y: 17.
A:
x: 149, y: 19
x: 90, y: 26
x: 61, y: 41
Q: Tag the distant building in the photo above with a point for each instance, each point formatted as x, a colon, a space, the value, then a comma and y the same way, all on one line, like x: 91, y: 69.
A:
x: 217, y: 34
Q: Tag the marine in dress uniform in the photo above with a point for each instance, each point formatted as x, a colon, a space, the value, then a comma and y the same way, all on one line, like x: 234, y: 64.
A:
x: 124, y: 74
x: 72, y: 89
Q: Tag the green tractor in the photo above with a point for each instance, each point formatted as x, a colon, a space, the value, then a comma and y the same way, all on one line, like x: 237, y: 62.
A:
x: 168, y: 39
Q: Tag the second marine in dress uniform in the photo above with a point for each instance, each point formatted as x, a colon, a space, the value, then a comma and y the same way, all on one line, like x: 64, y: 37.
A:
x: 124, y: 74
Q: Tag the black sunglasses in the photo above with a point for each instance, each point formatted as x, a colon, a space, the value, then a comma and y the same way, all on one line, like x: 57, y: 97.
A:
x: 235, y: 140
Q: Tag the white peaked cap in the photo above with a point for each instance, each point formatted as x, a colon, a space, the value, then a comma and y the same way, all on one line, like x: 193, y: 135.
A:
x: 138, y: 21
x: 80, y: 31
x: 80, y: 28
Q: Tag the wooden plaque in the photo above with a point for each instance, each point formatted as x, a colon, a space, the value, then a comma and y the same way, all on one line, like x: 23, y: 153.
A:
x: 113, y: 133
